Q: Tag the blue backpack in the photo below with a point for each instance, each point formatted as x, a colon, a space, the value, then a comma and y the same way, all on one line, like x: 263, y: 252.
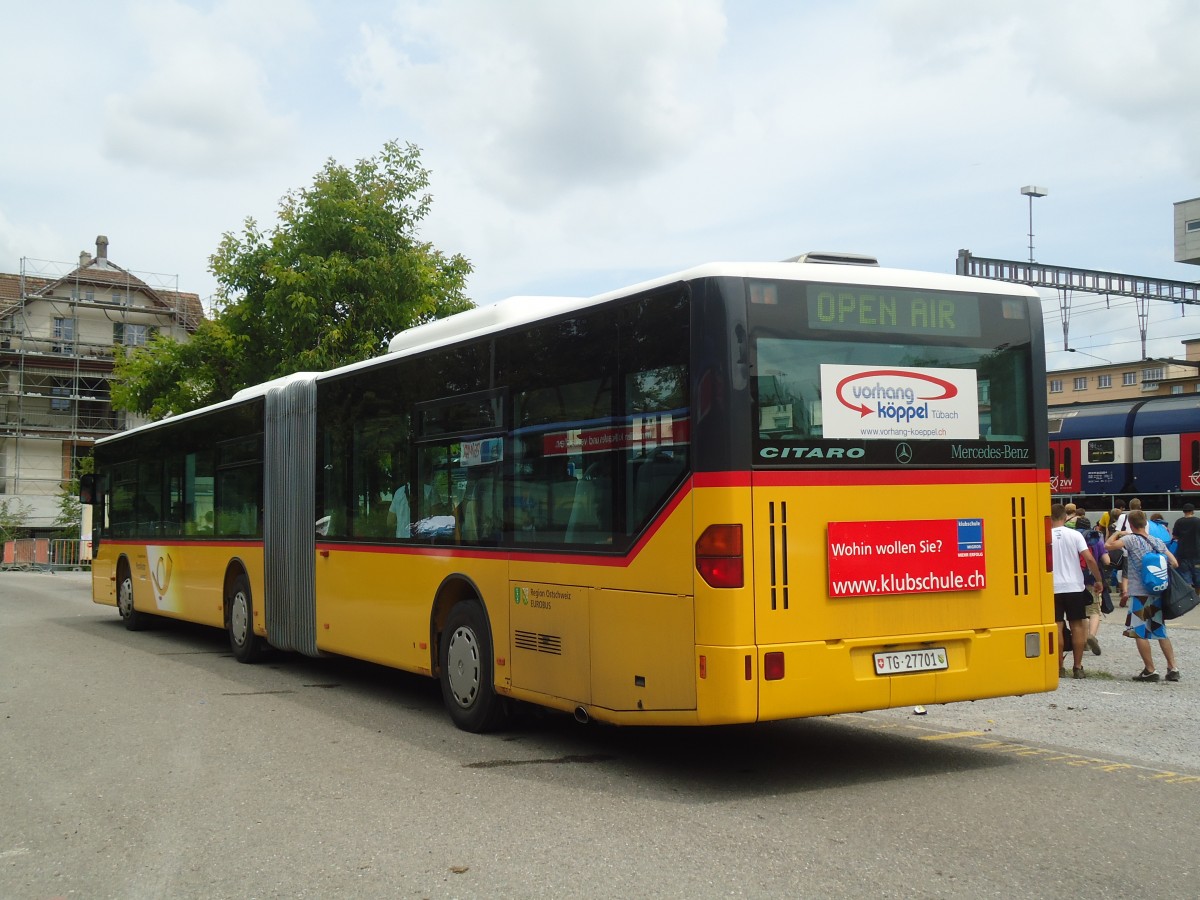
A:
x: 1159, y: 530
x: 1155, y: 571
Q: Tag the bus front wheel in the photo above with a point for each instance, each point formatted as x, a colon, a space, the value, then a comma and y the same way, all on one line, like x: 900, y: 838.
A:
x: 465, y: 657
x: 247, y: 646
x: 134, y: 620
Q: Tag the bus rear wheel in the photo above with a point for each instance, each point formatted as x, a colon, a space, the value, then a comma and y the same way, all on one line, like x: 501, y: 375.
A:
x: 247, y: 646
x: 134, y: 620
x: 465, y: 664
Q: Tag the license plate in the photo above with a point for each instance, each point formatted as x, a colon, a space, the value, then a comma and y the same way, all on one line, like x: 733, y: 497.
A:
x: 900, y: 662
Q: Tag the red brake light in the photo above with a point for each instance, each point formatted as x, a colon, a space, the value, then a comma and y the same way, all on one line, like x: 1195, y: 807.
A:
x: 719, y: 556
x: 773, y: 666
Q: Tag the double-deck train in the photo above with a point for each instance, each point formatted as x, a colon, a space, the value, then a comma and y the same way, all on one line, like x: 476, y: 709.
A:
x: 1133, y: 447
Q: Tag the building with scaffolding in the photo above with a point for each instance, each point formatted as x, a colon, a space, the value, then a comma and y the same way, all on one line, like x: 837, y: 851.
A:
x: 59, y: 326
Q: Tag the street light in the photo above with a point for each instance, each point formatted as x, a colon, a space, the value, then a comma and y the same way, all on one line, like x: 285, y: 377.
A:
x: 1031, y: 191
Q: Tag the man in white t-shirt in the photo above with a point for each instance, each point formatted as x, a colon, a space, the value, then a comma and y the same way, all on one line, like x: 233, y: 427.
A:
x: 1070, y: 595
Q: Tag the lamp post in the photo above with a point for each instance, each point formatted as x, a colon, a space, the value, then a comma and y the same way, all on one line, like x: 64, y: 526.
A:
x: 1031, y: 191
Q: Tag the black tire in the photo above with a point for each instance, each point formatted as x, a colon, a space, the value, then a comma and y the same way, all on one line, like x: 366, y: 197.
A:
x: 133, y: 619
x: 247, y: 646
x: 465, y: 670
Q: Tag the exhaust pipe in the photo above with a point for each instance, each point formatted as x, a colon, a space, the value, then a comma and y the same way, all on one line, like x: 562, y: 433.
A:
x: 581, y: 715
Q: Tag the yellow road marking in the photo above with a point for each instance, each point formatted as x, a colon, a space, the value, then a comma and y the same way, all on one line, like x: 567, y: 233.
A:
x: 950, y: 737
x: 1045, y: 753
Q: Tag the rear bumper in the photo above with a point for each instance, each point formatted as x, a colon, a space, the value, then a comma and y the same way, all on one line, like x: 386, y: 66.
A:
x: 827, y: 677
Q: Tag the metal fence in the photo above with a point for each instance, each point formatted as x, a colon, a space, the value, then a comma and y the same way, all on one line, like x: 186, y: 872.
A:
x: 46, y: 554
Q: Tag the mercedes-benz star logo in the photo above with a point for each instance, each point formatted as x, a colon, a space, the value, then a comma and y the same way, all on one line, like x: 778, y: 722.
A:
x: 903, y: 453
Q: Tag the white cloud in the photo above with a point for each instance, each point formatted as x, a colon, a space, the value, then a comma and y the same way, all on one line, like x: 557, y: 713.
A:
x: 201, y: 103
x: 542, y: 98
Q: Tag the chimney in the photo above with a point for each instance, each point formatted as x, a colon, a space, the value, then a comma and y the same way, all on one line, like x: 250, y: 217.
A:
x: 101, y: 249
x: 85, y: 259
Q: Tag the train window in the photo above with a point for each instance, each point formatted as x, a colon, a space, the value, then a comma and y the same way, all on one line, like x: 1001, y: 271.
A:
x: 1151, y: 449
x: 1101, y: 451
x: 1066, y: 463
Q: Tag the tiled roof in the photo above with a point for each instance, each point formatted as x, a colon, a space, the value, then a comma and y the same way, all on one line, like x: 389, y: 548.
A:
x: 10, y: 286
x: 187, y: 304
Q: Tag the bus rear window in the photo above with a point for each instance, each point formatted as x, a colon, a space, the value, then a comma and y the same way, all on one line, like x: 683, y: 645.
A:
x: 886, y: 377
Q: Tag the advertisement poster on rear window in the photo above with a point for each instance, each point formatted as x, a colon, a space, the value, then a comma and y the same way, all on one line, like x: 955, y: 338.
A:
x: 899, y: 403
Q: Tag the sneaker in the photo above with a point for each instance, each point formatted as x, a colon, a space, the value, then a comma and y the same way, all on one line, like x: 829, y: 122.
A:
x: 1062, y: 671
x: 1094, y: 645
x: 1078, y: 672
x: 1172, y: 674
x: 1146, y: 676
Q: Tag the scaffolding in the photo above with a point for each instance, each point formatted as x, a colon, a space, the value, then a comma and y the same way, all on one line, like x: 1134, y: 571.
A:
x: 60, y: 324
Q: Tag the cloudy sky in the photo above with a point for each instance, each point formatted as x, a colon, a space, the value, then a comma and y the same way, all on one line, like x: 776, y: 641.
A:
x: 580, y: 145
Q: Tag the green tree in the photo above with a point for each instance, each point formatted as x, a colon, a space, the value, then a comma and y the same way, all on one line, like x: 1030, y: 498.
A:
x: 69, y: 519
x: 14, y: 519
x: 341, y: 273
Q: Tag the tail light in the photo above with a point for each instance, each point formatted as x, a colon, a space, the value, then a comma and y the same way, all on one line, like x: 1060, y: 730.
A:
x: 719, y: 556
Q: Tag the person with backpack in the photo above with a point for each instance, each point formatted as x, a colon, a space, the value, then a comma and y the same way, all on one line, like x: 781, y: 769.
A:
x: 1157, y: 527
x: 1116, y: 558
x: 1101, y: 605
x: 1070, y: 557
x: 1148, y: 558
x: 1187, y: 533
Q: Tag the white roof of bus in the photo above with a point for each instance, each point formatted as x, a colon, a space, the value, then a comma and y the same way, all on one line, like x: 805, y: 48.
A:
x: 516, y: 311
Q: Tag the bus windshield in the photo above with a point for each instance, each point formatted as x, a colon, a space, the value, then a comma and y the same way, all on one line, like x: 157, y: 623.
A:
x: 847, y: 374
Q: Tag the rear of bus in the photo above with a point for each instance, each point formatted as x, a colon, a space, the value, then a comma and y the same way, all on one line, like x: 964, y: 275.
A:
x: 897, y: 493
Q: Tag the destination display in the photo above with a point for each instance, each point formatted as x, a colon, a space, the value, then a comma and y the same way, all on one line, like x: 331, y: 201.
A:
x: 843, y: 307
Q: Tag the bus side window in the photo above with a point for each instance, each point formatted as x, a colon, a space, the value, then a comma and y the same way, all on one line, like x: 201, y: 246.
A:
x: 149, y: 513
x: 198, y: 511
x: 124, y: 496
x: 382, y: 496
x: 239, y: 487
x: 658, y: 454
x: 590, y: 520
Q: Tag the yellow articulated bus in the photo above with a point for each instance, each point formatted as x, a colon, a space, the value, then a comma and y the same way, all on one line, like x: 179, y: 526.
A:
x: 738, y: 493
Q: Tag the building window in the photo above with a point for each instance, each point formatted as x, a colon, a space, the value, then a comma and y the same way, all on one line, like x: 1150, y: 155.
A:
x: 1193, y: 225
x: 1152, y: 374
x: 131, y: 335
x: 1103, y: 381
x: 1177, y: 389
x: 1081, y: 383
x: 60, y: 398
x: 118, y: 298
x: 1056, y: 385
x: 1129, y: 378
x: 64, y: 335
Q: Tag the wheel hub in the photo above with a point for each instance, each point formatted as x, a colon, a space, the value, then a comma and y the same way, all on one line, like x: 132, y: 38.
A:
x: 462, y: 666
